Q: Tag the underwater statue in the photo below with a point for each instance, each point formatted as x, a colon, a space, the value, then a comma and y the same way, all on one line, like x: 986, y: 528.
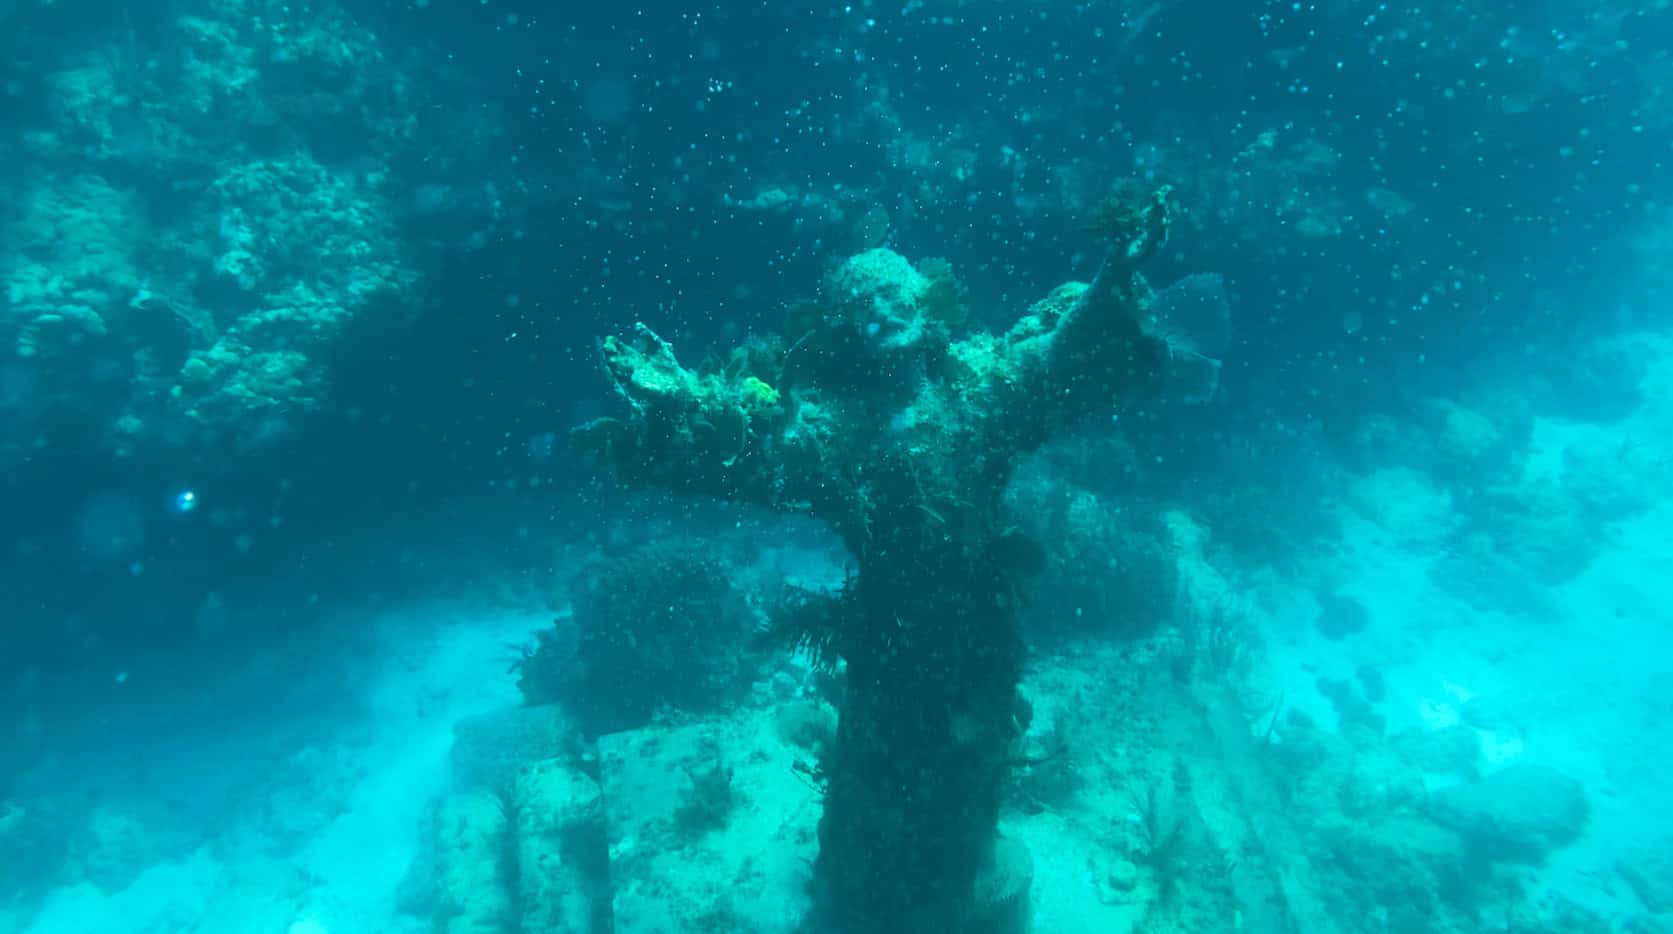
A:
x: 871, y: 416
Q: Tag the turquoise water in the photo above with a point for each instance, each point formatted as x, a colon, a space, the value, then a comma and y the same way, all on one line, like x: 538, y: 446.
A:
x: 953, y: 465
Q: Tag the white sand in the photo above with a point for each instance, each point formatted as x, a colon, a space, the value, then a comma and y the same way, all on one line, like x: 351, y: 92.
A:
x: 414, y: 672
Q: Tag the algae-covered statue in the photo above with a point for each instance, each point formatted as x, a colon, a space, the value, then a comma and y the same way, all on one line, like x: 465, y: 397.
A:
x: 872, y: 417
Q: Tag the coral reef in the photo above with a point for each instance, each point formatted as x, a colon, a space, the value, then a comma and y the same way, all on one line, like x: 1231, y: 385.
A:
x: 1649, y: 871
x: 1108, y: 568
x: 1512, y: 501
x: 658, y: 625
x: 1517, y: 814
x: 197, y: 258
x: 711, y: 826
x: 518, y: 844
